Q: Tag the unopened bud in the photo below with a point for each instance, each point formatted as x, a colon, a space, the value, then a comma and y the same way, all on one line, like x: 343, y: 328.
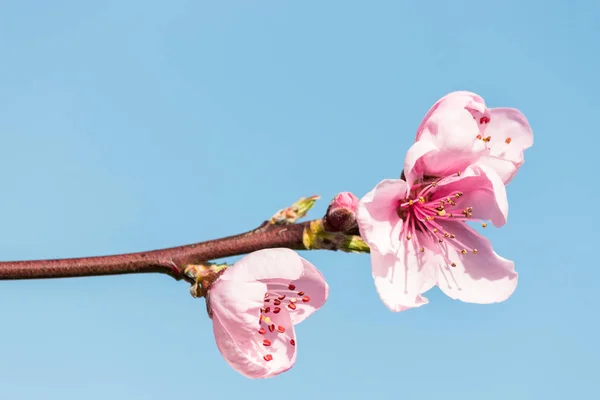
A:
x: 341, y: 214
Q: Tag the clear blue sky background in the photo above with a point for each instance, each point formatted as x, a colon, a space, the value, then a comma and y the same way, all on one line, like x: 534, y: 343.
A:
x: 135, y: 125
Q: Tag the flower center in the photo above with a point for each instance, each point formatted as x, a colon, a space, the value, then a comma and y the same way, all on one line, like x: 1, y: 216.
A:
x: 422, y: 211
x: 280, y: 297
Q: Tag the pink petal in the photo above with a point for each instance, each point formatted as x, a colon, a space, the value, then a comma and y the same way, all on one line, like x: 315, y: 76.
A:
x: 236, y: 310
x: 264, y: 264
x: 304, y: 295
x: 482, y: 189
x: 452, y: 101
x: 413, y: 161
x: 377, y: 218
x: 482, y: 278
x: 510, y: 135
x: 452, y: 127
x: 401, y: 278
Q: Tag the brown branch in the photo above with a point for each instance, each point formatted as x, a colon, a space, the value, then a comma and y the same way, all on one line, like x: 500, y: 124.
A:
x: 169, y: 261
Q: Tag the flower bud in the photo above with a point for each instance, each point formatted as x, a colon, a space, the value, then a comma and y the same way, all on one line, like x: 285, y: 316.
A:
x: 341, y: 214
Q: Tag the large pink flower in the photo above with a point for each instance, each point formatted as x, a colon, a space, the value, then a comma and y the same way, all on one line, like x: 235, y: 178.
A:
x: 419, y: 238
x: 256, y: 303
x: 459, y: 130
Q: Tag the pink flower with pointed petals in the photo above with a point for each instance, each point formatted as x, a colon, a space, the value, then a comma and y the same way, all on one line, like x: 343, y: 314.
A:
x: 459, y: 130
x: 255, y: 304
x: 419, y: 238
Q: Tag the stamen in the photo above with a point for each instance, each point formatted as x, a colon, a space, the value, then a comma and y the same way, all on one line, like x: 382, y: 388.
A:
x: 268, y: 357
x: 508, y: 140
x: 453, y: 264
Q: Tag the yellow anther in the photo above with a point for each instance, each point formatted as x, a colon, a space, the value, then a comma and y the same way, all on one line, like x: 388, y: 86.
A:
x: 267, y: 320
x: 434, y: 230
x: 474, y: 251
x: 452, y: 236
x: 422, y: 250
x: 421, y: 199
x: 469, y: 209
x: 446, y: 235
x: 441, y: 213
x: 410, y: 202
x: 453, y: 264
x: 463, y: 251
x: 408, y: 237
x: 484, y: 225
x: 458, y: 173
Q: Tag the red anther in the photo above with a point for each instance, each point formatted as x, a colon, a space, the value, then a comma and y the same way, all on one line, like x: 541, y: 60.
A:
x: 267, y: 300
x: 266, y: 295
x: 277, y: 302
x: 276, y: 310
x: 280, y: 329
x: 291, y: 287
x: 484, y: 120
x: 479, y: 137
x: 271, y: 327
x: 262, y: 331
x: 292, y: 342
x: 292, y: 306
x: 508, y: 140
x: 281, y: 297
x: 266, y: 342
x: 268, y: 357
x: 267, y: 309
x: 300, y: 293
x: 306, y: 299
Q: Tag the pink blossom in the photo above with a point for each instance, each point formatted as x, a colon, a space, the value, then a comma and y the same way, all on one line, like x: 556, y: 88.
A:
x: 256, y: 303
x: 459, y: 130
x: 419, y: 238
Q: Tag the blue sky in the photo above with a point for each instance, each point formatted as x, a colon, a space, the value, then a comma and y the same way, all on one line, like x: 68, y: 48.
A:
x: 135, y: 125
